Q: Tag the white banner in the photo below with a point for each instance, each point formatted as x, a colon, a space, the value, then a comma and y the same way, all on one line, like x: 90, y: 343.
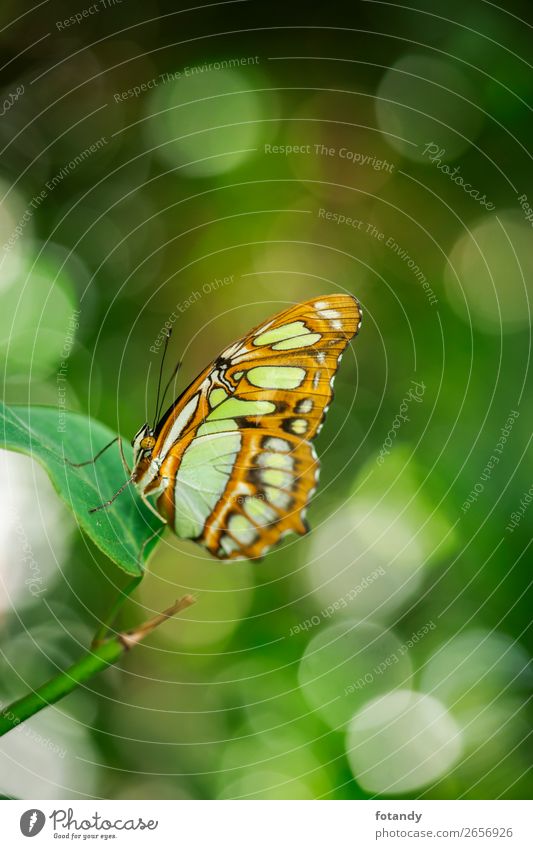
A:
x: 264, y: 825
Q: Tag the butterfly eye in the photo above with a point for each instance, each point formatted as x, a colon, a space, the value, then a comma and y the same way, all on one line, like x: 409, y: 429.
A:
x: 147, y: 442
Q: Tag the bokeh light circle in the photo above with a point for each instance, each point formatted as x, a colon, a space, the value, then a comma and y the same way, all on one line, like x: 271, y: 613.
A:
x: 223, y: 110
x: 401, y: 742
x: 347, y: 664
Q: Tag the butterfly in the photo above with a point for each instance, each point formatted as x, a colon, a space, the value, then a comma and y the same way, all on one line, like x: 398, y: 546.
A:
x: 231, y: 463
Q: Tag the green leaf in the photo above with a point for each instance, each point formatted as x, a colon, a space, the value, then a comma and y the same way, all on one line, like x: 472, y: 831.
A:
x: 121, y: 530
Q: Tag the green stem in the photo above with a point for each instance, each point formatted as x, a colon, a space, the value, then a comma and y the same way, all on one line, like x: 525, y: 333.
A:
x: 98, y: 659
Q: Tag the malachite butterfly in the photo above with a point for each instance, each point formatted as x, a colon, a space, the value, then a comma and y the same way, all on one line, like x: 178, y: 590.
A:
x: 231, y: 463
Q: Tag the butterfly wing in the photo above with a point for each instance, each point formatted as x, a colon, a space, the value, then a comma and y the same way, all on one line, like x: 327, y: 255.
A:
x: 235, y: 464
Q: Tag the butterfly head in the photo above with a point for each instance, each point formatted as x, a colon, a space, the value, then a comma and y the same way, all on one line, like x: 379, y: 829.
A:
x: 143, y: 443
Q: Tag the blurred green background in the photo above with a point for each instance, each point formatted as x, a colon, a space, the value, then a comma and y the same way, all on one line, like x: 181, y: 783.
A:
x: 203, y: 164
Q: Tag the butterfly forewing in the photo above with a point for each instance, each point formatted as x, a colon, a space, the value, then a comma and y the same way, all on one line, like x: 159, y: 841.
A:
x: 233, y: 465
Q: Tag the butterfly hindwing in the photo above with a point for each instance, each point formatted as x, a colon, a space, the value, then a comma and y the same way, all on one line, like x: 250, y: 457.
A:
x: 235, y: 465
x: 238, y: 492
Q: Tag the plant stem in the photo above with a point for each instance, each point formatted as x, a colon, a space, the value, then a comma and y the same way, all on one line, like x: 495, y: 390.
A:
x: 98, y: 659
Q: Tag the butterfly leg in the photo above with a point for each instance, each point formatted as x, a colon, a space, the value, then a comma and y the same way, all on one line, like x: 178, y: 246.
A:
x: 122, y: 456
x: 110, y: 501
x: 152, y: 508
x: 96, y: 456
x: 107, y: 622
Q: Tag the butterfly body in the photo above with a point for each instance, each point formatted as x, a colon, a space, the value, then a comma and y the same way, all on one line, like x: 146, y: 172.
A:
x: 231, y: 463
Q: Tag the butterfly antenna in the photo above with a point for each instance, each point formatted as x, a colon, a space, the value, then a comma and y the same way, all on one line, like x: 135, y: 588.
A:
x: 117, y: 493
x: 171, y: 378
x: 168, y: 334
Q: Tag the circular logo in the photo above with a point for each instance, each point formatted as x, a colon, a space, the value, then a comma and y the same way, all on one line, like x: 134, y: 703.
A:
x: 32, y: 822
